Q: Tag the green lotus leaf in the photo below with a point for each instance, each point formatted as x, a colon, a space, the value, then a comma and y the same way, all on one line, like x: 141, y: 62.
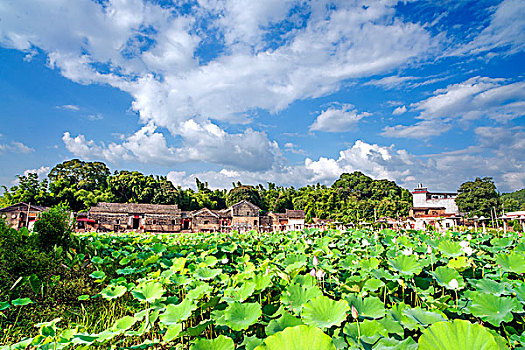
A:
x: 229, y: 248
x: 501, y: 243
x: 324, y: 313
x: 295, y: 296
x: 298, y: 338
x: 444, y: 275
x: 198, y: 329
x: 240, y: 316
x: 460, y: 263
x: 151, y: 260
x: 251, y: 343
x: 124, y: 323
x: 112, y: 291
x: 148, y: 292
x: 489, y: 286
x: 369, y: 307
x: 262, y: 281
x: 514, y: 262
x: 21, y: 302
x: 81, y: 298
x: 458, y: 334
x: 178, y: 264
x: 406, y: 265
x: 493, y: 309
x: 396, y: 313
x: 520, y: 292
x: 369, y: 264
x: 219, y: 343
x: 373, y: 284
x: 172, y: 332
x: 126, y: 271
x: 286, y: 320
x: 394, y: 344
x: 124, y: 261
x: 422, y: 317
x: 370, y: 331
x: 240, y: 294
x: 98, y: 275
x: 450, y: 249
x: 205, y: 273
x: 158, y: 248
x: 97, y: 260
x: 199, y: 291
x: 177, y: 313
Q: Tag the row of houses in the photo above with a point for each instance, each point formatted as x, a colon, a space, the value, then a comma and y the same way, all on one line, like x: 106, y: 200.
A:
x: 121, y: 217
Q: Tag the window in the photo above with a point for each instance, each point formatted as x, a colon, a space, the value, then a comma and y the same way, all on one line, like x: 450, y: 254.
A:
x: 255, y: 222
x: 154, y: 222
x: 247, y: 213
x: 118, y: 221
x: 173, y: 222
x: 206, y: 222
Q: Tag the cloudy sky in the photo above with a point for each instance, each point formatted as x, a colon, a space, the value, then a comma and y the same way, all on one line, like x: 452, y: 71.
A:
x: 291, y: 92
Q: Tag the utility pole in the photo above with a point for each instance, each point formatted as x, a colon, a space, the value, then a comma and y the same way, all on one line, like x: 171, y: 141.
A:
x: 27, y: 216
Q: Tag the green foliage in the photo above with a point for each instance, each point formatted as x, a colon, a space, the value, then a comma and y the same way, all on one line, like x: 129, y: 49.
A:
x: 248, y: 193
x: 54, y: 228
x: 478, y: 197
x: 514, y: 200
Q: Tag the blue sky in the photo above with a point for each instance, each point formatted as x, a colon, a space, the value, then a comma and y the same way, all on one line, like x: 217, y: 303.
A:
x: 291, y: 92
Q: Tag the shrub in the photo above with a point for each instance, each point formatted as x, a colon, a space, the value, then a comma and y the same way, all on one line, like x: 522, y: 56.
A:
x: 54, y: 228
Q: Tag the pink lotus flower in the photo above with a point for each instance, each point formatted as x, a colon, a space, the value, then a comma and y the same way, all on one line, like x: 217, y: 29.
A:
x: 319, y: 274
x: 312, y: 272
x: 355, y: 314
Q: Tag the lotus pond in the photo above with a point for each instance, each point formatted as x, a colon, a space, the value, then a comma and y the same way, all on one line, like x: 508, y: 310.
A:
x: 311, y: 289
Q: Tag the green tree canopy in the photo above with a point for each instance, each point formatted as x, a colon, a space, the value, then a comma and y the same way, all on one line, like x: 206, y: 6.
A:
x: 478, y: 197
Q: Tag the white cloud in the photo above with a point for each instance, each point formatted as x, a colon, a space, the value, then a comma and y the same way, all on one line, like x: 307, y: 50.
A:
x: 506, y: 31
x: 250, y: 150
x: 41, y: 172
x: 94, y: 117
x: 15, y: 147
x: 151, y: 52
x: 499, y: 154
x: 74, y: 108
x: 337, y: 119
x: 399, y: 110
x: 475, y: 98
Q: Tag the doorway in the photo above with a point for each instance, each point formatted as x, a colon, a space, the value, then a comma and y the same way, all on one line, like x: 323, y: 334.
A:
x: 136, y: 223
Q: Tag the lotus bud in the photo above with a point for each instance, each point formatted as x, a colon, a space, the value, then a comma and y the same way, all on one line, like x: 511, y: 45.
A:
x: 394, y: 240
x: 267, y: 271
x: 312, y: 272
x: 429, y: 249
x: 315, y: 261
x: 453, y: 283
x: 469, y: 236
x: 355, y: 314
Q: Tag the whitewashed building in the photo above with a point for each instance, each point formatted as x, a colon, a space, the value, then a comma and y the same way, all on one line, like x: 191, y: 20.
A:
x: 438, y: 209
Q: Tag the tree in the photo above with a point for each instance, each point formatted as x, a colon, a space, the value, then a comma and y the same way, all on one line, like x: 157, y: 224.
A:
x: 54, y: 228
x: 243, y: 192
x: 478, y: 197
x: 28, y: 190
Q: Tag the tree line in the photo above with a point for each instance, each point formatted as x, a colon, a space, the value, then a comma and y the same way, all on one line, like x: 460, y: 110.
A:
x: 80, y: 185
x: 351, y: 198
